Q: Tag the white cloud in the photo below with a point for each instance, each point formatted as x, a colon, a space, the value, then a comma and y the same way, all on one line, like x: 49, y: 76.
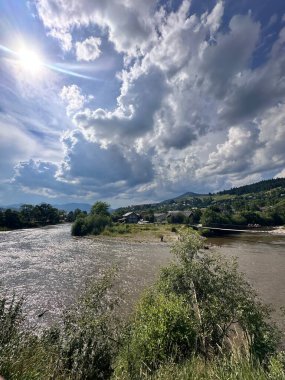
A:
x: 74, y: 99
x: 64, y: 38
x: 280, y: 174
x: 129, y: 23
x: 193, y: 110
x: 213, y: 20
x: 89, y: 49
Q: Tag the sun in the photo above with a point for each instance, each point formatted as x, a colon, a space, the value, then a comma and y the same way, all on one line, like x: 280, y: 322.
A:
x: 30, y: 61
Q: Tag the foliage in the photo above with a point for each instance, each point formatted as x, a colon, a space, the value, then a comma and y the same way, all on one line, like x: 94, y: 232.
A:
x: 162, y: 328
x: 100, y: 208
x: 82, y: 346
x: 200, y: 306
x: 256, y: 187
x: 117, y: 229
x: 30, y: 216
x: 94, y: 223
x: 233, y: 368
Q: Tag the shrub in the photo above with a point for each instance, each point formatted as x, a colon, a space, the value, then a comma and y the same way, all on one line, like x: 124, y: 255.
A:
x: 87, y: 340
x: 163, y: 327
x: 90, y: 225
x: 199, y: 307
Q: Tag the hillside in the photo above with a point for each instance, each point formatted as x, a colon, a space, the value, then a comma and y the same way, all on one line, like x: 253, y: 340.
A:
x: 259, y: 203
x: 256, y: 187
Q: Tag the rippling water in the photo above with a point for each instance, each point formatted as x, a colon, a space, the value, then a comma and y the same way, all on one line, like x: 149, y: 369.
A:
x: 50, y: 267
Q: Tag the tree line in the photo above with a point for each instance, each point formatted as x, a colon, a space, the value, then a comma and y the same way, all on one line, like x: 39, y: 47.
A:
x: 29, y: 216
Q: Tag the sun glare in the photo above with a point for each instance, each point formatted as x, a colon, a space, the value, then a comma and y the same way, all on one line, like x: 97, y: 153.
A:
x: 30, y: 61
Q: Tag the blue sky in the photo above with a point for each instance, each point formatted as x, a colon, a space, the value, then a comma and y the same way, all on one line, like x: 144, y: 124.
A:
x: 138, y: 101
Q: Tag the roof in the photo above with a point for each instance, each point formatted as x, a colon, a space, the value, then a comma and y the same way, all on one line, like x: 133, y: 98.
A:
x: 185, y: 213
x: 129, y: 214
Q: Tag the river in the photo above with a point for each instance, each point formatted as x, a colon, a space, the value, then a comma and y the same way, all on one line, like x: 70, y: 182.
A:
x: 50, y: 267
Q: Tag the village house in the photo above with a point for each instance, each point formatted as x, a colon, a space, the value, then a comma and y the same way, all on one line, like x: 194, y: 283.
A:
x: 130, y: 217
x: 175, y: 213
x: 160, y: 217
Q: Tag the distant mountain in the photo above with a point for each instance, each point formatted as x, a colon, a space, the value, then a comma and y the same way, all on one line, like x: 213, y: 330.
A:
x: 187, y: 195
x: 73, y: 206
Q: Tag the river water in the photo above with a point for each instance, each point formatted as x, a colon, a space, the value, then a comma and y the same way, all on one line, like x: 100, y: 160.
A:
x: 50, y: 267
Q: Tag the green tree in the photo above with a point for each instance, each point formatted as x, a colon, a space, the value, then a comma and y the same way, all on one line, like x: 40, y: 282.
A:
x: 12, y: 219
x: 2, y: 219
x: 27, y: 214
x: 100, y: 208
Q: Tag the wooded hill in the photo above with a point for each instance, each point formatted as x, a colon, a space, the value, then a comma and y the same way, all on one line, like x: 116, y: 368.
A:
x: 262, y: 203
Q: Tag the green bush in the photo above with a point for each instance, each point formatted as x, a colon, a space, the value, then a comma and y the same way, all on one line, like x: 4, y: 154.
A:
x: 90, y: 225
x: 163, y: 327
x: 199, y: 307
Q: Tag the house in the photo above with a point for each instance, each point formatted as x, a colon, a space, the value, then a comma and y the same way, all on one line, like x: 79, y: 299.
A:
x: 175, y: 213
x: 130, y: 217
x: 160, y: 217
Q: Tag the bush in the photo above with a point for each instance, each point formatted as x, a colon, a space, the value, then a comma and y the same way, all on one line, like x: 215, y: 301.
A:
x: 200, y: 306
x: 90, y: 225
x: 162, y: 328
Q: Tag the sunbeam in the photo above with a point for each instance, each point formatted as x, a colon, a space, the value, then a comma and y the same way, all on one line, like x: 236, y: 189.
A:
x: 32, y: 62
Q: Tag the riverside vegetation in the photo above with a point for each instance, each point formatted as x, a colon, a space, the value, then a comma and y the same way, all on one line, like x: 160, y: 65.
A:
x: 29, y: 216
x: 200, y: 320
x: 260, y: 204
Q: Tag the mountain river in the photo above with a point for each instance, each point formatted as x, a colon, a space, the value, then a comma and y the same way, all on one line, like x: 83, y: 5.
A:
x: 49, y: 267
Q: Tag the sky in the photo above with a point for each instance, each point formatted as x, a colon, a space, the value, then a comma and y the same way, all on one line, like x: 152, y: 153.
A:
x: 132, y: 101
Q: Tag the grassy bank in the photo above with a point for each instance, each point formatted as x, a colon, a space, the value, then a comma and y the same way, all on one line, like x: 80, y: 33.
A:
x: 200, y: 320
x: 147, y: 232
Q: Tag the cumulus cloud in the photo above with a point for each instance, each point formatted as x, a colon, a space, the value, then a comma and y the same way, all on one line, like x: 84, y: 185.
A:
x: 141, y: 96
x: 234, y: 155
x: 73, y: 98
x: 128, y: 23
x: 97, y: 165
x: 193, y: 108
x: 89, y: 49
x: 87, y: 168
